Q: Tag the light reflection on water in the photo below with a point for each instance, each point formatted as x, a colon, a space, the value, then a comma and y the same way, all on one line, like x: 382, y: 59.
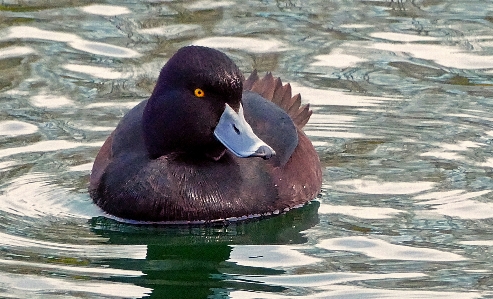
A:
x: 16, y: 128
x: 380, y: 249
x: 345, y: 292
x: 73, y: 40
x: 252, y: 45
x: 94, y: 71
x: 269, y: 256
x: 359, y: 212
x: 401, y: 93
x: 105, y: 10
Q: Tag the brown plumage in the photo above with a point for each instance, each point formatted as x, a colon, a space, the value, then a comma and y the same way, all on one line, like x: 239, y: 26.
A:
x: 271, y: 89
x: 164, y: 163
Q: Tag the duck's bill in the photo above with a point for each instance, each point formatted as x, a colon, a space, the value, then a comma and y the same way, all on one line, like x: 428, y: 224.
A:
x: 237, y: 136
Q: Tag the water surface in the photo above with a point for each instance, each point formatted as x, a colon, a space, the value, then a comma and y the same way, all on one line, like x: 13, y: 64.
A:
x: 402, y: 99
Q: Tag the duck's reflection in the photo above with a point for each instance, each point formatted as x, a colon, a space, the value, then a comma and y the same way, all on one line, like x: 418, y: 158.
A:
x: 197, y: 261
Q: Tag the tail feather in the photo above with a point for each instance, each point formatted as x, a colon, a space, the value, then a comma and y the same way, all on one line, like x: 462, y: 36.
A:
x: 248, y: 83
x: 303, y: 116
x: 273, y: 90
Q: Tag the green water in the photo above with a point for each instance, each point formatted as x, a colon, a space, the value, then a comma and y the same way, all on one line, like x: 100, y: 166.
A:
x: 402, y: 98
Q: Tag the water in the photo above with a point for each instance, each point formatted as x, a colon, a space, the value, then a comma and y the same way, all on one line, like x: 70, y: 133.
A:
x: 402, y: 99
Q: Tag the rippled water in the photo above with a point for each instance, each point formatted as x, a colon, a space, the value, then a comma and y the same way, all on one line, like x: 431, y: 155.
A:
x: 402, y: 96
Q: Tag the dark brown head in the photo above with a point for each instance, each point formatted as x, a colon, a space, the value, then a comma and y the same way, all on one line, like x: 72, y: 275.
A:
x: 193, y: 92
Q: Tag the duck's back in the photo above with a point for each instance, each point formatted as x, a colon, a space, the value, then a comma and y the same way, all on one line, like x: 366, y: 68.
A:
x: 298, y: 176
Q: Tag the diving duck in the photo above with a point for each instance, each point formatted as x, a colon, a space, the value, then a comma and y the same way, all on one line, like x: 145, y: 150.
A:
x: 207, y: 146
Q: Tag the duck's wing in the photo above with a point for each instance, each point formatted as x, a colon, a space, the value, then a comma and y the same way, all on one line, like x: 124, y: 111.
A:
x: 273, y: 90
x: 101, y: 162
x: 126, y: 138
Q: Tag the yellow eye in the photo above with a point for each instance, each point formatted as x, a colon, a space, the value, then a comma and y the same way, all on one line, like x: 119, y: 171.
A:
x: 199, y: 93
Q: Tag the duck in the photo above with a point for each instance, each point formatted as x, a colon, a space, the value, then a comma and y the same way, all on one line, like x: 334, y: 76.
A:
x: 208, y: 145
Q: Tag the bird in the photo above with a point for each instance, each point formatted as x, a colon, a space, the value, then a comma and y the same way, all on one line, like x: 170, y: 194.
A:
x: 207, y: 146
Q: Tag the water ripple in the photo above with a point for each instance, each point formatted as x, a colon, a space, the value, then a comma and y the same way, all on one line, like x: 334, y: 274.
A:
x: 328, y: 97
x: 98, y: 48
x: 458, y: 203
x: 105, y: 10
x: 16, y: 128
x: 402, y: 37
x: 15, y: 51
x: 46, y: 146
x: 354, y: 292
x: 380, y: 249
x: 36, y: 195
x: 72, y: 270
x: 322, y: 280
x: 443, y: 55
x: 174, y: 31
x: 24, y: 284
x: 103, y: 251
x: 401, y: 94
x: 377, y: 187
x: 337, y: 59
x: 359, y: 212
x: 95, y: 71
x: 269, y: 256
x: 209, y: 5
x: 248, y: 44
x: 50, y: 101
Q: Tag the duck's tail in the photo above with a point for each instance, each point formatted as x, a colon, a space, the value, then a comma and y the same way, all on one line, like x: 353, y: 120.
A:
x: 272, y: 89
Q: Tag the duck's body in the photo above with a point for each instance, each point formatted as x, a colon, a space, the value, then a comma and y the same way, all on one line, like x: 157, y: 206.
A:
x: 203, y: 181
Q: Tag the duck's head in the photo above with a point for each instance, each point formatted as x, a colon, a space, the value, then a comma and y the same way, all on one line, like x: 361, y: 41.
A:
x: 196, y: 108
